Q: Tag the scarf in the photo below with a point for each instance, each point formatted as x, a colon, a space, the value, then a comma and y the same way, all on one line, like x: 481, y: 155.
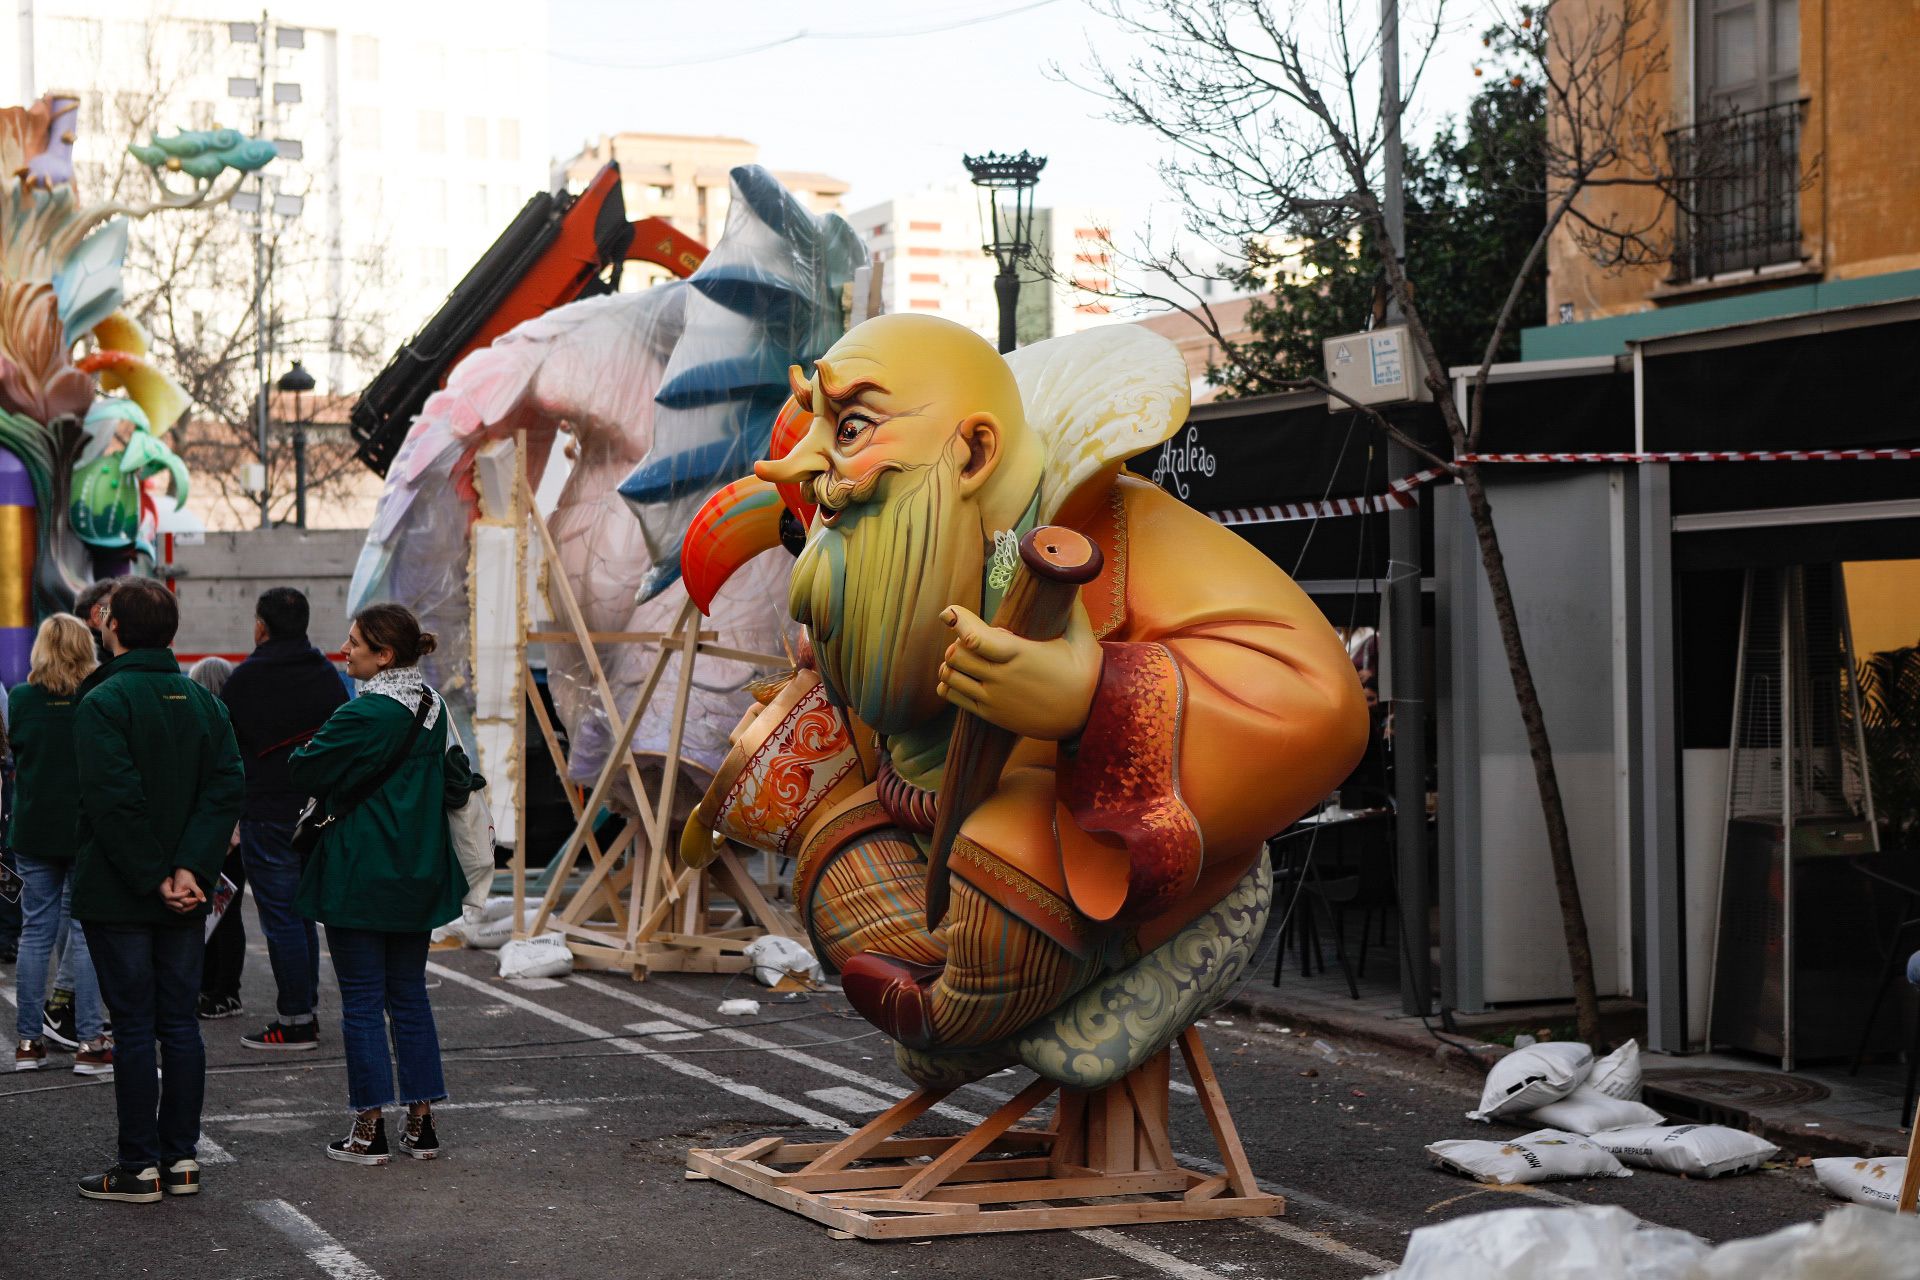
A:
x: 405, y: 686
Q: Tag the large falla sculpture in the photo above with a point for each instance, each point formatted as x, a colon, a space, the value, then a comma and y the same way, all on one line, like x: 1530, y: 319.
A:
x: 80, y: 466
x: 1048, y: 718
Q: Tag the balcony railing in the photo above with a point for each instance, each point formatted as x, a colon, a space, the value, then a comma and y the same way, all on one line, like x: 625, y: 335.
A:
x: 1738, y: 183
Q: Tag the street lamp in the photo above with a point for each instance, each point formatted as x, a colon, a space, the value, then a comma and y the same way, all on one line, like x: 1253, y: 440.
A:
x: 1006, y: 215
x: 297, y: 382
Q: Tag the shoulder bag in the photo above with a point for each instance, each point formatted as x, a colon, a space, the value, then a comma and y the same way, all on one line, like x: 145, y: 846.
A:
x: 316, y: 819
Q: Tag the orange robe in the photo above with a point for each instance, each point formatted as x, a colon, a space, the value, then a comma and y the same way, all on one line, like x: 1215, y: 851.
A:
x: 1226, y: 708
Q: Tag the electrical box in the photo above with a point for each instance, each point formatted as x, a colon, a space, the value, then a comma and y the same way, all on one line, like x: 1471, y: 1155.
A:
x: 1381, y: 366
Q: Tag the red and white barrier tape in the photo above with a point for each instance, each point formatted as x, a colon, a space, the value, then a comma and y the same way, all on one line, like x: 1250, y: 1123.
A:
x: 1399, y: 494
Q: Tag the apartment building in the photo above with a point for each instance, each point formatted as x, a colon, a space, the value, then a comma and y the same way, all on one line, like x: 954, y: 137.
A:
x: 683, y: 178
x: 927, y: 246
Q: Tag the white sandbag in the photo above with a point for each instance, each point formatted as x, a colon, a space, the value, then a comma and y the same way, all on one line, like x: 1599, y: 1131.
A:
x: 546, y: 956
x: 1851, y: 1243
x: 1586, y: 1110
x: 1591, y: 1242
x: 1868, y: 1180
x: 1532, y: 1077
x: 489, y: 926
x: 1544, y: 1155
x: 1618, y: 1074
x: 773, y: 957
x: 1697, y: 1150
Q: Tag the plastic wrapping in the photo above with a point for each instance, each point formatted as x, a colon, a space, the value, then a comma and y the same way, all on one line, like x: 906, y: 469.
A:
x: 667, y: 380
x: 767, y: 297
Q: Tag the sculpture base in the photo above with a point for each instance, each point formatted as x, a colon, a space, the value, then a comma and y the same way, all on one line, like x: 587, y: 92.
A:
x: 1107, y: 1160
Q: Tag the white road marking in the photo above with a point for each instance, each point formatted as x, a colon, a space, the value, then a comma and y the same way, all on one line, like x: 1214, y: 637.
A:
x: 321, y: 1249
x: 212, y: 1152
x: 1143, y: 1253
x: 886, y: 1088
x: 662, y: 1032
x: 847, y: 1098
x: 805, y: 1114
x: 536, y: 984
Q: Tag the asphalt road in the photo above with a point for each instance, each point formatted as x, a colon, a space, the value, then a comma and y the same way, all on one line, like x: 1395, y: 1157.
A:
x: 575, y: 1100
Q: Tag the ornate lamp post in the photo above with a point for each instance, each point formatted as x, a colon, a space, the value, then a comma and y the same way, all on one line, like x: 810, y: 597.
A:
x: 298, y: 383
x: 1006, y: 215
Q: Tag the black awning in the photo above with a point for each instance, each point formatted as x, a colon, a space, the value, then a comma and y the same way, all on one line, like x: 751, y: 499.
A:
x: 1572, y: 413
x: 1850, y: 387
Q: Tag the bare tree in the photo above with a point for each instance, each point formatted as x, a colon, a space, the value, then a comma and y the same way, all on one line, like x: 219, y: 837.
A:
x: 190, y: 282
x: 1279, y: 134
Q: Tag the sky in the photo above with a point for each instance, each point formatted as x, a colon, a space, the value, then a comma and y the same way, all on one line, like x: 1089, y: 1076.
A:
x: 893, y: 113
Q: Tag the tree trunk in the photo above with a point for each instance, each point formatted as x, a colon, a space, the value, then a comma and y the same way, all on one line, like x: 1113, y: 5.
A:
x: 1586, y: 1000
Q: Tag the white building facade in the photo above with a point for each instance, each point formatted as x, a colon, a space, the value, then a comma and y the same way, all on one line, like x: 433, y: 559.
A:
x: 419, y: 138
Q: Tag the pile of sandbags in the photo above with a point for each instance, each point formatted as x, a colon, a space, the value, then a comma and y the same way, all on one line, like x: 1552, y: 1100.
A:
x: 1595, y: 1123
x: 1867, y: 1180
x: 1605, y: 1242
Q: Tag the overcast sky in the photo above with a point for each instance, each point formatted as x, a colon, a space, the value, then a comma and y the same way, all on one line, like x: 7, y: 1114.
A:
x: 892, y: 113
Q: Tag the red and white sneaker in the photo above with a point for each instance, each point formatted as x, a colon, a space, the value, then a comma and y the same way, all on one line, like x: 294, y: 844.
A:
x: 94, y: 1059
x: 30, y: 1056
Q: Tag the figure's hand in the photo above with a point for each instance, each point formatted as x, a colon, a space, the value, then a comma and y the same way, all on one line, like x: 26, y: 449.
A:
x: 1035, y: 688
x: 181, y: 890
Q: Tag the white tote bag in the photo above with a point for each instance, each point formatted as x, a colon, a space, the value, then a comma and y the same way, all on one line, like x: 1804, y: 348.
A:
x: 471, y: 826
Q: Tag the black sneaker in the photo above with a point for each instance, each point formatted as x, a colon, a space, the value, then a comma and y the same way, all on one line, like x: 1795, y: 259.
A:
x: 419, y: 1141
x: 134, y: 1186
x: 57, y: 1024
x: 367, y: 1144
x: 282, y: 1036
x: 182, y: 1178
x: 212, y: 1008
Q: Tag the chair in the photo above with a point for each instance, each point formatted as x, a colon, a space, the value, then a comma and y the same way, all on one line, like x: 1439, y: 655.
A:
x: 1297, y: 887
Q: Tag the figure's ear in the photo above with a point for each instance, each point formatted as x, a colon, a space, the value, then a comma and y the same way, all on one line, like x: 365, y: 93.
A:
x: 981, y: 435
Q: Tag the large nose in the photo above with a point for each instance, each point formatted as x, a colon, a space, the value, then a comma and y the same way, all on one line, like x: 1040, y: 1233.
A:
x: 807, y: 458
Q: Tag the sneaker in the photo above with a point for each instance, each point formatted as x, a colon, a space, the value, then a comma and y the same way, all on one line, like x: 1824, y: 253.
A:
x: 58, y: 1026
x: 212, y: 1008
x: 141, y: 1186
x: 95, y: 1059
x: 182, y: 1178
x: 30, y: 1056
x: 280, y: 1035
x: 419, y: 1140
x: 367, y: 1144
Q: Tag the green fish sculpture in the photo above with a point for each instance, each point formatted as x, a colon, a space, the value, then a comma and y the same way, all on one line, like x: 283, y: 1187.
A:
x: 205, y: 153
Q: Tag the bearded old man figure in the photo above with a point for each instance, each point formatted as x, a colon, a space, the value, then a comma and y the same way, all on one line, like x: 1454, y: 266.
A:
x: 1195, y: 705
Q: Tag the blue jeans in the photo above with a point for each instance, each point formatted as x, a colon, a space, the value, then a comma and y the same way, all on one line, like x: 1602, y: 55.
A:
x: 383, y: 978
x: 150, y: 976
x: 293, y: 944
x: 46, y: 899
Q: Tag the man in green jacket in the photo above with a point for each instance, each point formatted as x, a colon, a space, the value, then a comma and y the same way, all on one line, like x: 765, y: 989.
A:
x: 161, y: 786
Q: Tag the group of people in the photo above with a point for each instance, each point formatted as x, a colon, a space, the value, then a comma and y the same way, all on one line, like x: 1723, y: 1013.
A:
x: 135, y: 789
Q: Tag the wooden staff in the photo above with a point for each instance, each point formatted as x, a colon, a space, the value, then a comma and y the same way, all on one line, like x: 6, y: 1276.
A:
x: 1054, y: 563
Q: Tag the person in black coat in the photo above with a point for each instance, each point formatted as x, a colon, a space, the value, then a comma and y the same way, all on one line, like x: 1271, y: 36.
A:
x: 278, y: 698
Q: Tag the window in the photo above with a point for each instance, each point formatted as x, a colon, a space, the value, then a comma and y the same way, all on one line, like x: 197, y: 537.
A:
x: 925, y: 304
x: 1092, y: 233
x: 923, y: 226
x: 476, y: 203
x: 658, y: 191
x: 924, y: 277
x: 433, y: 199
x: 879, y: 230
x: 918, y: 251
x: 366, y: 58
x: 433, y: 131
x: 1747, y: 55
x: 363, y: 127
x: 510, y: 140
x: 433, y: 268
x: 476, y: 138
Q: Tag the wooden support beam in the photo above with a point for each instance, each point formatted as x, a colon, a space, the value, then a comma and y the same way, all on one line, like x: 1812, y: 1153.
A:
x: 977, y: 1139
x: 858, y: 1144
x: 1214, y: 1102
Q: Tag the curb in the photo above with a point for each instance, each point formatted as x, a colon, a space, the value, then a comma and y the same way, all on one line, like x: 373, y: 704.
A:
x: 1416, y: 1044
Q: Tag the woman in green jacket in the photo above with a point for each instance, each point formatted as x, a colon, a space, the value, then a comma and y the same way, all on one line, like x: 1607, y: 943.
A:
x: 384, y: 876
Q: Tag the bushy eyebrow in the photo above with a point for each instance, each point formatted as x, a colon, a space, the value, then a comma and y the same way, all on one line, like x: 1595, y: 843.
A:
x: 808, y: 392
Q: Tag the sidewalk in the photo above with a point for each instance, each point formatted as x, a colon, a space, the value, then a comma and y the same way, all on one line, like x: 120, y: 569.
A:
x: 1817, y: 1111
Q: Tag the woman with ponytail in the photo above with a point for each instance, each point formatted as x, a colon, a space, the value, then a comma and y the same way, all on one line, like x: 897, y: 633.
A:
x: 384, y: 874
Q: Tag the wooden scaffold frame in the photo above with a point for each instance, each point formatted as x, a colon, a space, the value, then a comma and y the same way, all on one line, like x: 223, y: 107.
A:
x: 1105, y: 1160
x: 637, y: 910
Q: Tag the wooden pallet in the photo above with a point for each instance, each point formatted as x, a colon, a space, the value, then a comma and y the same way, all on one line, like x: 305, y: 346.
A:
x: 1106, y: 1160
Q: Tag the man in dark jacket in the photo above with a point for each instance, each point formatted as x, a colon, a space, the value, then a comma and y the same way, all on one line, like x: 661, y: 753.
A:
x: 160, y: 789
x: 278, y: 698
